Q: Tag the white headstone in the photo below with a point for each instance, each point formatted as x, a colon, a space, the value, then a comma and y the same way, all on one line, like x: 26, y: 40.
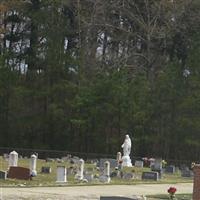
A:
x: 61, y: 174
x: 13, y: 159
x: 33, y: 163
x: 107, y: 168
x: 119, y: 156
x: 79, y: 175
x: 126, y: 152
x: 105, y: 178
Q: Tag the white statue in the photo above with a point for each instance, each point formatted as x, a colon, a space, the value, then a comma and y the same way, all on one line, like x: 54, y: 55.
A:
x: 126, y: 152
x: 127, y: 146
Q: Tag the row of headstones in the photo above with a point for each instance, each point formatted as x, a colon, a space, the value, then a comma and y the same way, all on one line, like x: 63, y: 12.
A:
x: 80, y: 176
x: 13, y: 162
x: 15, y: 171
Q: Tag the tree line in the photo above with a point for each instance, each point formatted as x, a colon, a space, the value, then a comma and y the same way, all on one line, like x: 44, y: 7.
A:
x: 78, y: 75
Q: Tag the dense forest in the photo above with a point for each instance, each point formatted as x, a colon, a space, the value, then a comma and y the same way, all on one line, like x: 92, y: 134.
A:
x: 78, y: 75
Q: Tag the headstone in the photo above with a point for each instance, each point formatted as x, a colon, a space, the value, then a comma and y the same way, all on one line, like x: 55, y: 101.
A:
x: 157, y: 165
x: 61, y: 174
x: 119, y: 157
x: 170, y: 169
x: 105, y: 178
x: 128, y: 176
x: 90, y: 169
x: 13, y: 159
x: 187, y: 173
x: 184, y: 167
x: 113, y: 174
x: 79, y: 175
x: 46, y: 170
x: 19, y: 173
x: 126, y: 152
x: 33, y: 162
x: 3, y: 175
x: 151, y: 162
x: 66, y: 158
x: 139, y: 163
x: 89, y: 177
x: 150, y: 176
x: 113, y: 163
x: 58, y: 160
x: 49, y: 160
x: 5, y: 156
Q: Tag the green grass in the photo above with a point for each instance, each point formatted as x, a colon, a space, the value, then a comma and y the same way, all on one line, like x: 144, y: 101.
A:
x: 178, y: 197
x: 49, y: 179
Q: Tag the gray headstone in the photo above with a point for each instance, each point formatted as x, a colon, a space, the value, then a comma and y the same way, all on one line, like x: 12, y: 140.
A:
x: 139, y: 163
x: 160, y: 172
x: 49, y: 160
x: 150, y: 176
x: 3, y: 175
x: 46, y: 170
x: 157, y: 165
x: 66, y: 158
x: 170, y: 169
x: 128, y: 176
x: 187, y: 173
x: 89, y: 177
x: 113, y: 174
x: 113, y: 162
x: 184, y: 167
x: 58, y: 160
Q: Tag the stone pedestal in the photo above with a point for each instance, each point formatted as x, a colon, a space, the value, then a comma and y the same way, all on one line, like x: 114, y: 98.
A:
x: 61, y: 174
x: 33, y: 162
x: 196, y: 185
x: 126, y: 161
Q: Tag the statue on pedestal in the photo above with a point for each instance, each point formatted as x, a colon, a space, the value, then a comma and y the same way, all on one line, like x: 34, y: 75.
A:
x: 126, y: 152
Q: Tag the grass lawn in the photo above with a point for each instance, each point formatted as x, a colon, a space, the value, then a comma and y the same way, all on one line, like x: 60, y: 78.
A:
x: 49, y: 179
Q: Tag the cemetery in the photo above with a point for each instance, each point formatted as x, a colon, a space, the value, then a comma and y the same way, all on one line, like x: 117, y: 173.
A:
x: 70, y: 171
x: 99, y: 99
x: 47, y: 174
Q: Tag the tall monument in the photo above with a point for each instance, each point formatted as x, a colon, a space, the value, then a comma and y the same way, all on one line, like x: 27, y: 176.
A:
x: 126, y: 152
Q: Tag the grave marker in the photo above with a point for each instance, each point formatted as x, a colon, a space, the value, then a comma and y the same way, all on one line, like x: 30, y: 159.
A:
x: 150, y: 176
x: 139, y: 163
x: 3, y: 175
x: 21, y: 173
x: 61, y: 174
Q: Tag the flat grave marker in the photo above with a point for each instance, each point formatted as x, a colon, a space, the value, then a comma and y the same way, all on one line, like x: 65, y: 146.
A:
x: 21, y: 173
x: 150, y: 176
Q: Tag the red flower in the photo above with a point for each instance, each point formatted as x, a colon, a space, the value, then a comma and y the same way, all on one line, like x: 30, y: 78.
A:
x: 172, y: 190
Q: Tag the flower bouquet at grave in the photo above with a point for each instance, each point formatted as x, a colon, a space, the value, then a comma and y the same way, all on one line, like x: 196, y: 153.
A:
x: 172, y: 191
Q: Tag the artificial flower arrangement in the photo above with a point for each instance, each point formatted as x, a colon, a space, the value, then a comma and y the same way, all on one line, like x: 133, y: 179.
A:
x: 172, y: 191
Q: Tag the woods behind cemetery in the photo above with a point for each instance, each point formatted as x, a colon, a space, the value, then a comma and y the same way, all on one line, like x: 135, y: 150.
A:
x: 78, y: 75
